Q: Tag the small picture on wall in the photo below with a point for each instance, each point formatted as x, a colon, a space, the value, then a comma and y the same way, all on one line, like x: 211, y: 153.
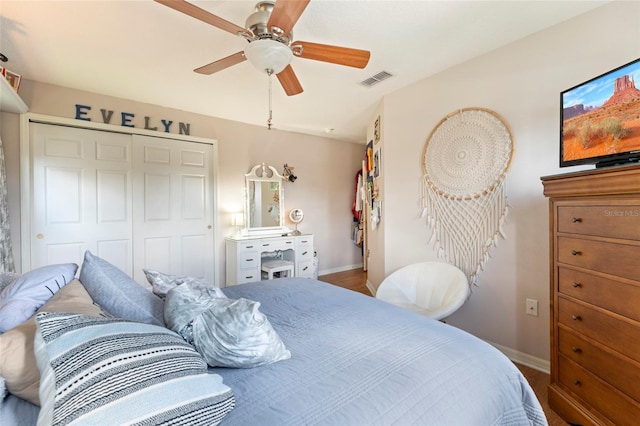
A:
x: 376, y: 130
x: 13, y: 79
x: 377, y: 163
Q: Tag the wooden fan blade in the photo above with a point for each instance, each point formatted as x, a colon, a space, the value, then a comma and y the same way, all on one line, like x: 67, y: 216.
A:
x: 289, y: 81
x: 285, y: 14
x: 221, y: 64
x: 335, y: 54
x: 203, y: 15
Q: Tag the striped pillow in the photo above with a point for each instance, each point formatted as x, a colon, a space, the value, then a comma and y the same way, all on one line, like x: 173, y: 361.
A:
x: 96, y: 370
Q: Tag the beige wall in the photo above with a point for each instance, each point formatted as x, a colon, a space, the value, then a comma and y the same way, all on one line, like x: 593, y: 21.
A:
x: 521, y: 82
x: 325, y: 168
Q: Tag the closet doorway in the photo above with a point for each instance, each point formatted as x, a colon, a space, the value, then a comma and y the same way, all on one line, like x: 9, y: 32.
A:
x: 138, y: 201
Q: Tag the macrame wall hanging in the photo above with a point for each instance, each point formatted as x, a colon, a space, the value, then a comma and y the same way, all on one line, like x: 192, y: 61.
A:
x: 465, y: 162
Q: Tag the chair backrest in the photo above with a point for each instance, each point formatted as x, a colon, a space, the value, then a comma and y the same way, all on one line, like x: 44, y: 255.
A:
x: 436, y: 287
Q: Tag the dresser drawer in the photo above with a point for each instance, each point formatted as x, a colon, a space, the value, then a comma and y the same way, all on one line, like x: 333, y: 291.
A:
x: 609, y: 401
x: 615, y: 296
x: 608, y: 365
x: 622, y: 260
x: 248, y: 260
x: 305, y: 269
x: 614, y: 221
x: 304, y: 253
x: 248, y: 275
x: 276, y: 244
x: 621, y: 335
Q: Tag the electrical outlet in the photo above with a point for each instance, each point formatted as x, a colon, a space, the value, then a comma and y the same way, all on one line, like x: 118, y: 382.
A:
x: 532, y: 307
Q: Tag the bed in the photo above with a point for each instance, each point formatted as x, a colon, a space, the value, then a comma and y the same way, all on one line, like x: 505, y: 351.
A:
x: 356, y: 360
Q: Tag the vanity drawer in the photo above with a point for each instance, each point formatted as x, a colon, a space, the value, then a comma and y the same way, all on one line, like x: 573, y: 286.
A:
x: 615, y: 296
x: 614, y: 221
x: 249, y: 260
x: 609, y: 366
x: 616, y: 406
x: 622, y: 260
x: 613, y: 331
x: 277, y: 244
x: 246, y: 246
x: 305, y: 269
x: 248, y: 275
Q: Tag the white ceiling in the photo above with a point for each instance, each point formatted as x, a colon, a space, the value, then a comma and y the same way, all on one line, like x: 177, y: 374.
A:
x: 144, y: 51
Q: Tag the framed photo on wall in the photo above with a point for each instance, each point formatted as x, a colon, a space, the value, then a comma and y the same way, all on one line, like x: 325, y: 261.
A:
x: 377, y: 163
x: 13, y: 79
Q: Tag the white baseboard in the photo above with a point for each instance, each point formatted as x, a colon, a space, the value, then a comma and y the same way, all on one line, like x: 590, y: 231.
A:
x: 370, y: 288
x: 339, y: 269
x: 524, y: 359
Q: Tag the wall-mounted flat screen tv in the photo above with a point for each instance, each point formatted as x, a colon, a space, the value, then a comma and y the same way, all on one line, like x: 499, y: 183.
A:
x: 600, y: 119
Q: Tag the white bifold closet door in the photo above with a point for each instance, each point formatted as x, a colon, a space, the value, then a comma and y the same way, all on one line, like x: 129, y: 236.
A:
x: 136, y: 201
x: 172, y: 207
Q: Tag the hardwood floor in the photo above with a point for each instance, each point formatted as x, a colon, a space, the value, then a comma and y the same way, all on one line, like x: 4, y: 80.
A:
x: 356, y: 280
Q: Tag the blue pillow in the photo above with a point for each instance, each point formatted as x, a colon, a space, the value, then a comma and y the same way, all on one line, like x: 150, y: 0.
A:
x: 118, y: 294
x: 96, y: 370
x: 27, y: 293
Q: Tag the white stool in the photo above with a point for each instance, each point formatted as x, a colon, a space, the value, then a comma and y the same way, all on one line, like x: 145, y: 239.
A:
x: 283, y: 268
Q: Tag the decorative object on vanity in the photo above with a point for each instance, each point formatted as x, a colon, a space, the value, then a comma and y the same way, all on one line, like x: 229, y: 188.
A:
x: 264, y: 201
x: 296, y: 216
x: 595, y: 294
x: 465, y: 162
x: 599, y: 119
x: 271, y: 47
x: 288, y: 173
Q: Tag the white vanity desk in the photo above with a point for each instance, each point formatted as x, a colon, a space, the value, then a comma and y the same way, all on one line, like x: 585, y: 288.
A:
x: 245, y: 254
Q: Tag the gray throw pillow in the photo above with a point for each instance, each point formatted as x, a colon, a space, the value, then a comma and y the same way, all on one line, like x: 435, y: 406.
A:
x: 118, y: 294
x: 27, y: 293
x: 226, y: 332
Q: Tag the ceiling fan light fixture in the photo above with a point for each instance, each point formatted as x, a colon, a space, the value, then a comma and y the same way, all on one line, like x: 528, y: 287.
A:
x: 268, y: 54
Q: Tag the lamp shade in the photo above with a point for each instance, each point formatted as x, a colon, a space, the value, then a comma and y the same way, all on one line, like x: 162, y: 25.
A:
x: 268, y: 55
x: 237, y: 219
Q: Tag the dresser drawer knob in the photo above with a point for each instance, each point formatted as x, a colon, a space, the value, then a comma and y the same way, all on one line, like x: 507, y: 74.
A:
x: 576, y: 285
x: 575, y: 252
x: 576, y: 317
x: 576, y: 350
x: 576, y: 220
x: 577, y: 382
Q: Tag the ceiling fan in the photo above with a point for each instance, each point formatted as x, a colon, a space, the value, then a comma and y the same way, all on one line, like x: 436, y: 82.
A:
x: 270, y: 48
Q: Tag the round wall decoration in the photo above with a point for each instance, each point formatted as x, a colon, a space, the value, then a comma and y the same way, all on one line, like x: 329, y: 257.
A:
x: 467, y: 153
x: 465, y: 162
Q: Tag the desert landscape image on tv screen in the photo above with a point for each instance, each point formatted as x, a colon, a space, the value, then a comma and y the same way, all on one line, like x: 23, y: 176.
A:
x: 602, y: 116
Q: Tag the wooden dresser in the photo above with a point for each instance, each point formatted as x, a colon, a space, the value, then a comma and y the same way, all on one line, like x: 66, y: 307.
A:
x: 595, y: 295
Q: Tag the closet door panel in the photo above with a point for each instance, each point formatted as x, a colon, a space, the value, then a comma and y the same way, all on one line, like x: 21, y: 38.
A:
x: 81, y: 196
x: 173, y: 215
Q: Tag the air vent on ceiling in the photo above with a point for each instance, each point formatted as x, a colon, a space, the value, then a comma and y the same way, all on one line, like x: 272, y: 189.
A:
x: 382, y: 75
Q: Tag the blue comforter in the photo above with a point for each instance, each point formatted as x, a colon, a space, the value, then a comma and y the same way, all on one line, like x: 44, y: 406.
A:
x: 356, y: 360
x: 359, y: 361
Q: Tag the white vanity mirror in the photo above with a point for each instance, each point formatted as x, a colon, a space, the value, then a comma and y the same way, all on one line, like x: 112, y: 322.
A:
x: 264, y: 201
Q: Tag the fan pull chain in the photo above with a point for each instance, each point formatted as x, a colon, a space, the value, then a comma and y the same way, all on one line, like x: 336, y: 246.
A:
x: 269, y: 73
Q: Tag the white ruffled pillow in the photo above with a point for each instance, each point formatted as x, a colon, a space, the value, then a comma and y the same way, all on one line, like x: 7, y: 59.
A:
x: 161, y: 283
x: 226, y: 332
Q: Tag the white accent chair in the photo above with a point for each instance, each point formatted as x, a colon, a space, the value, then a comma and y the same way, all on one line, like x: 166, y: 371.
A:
x: 432, y: 289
